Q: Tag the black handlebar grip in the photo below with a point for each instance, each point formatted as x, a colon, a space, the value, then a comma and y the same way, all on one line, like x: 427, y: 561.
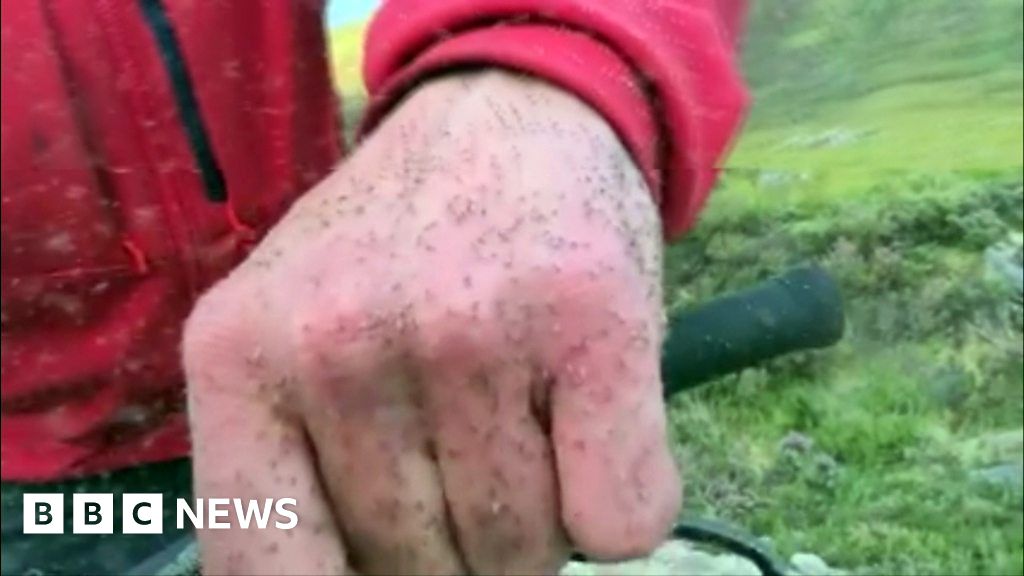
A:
x: 802, y: 309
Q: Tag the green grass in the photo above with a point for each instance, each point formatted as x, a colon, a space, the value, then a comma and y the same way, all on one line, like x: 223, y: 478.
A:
x: 932, y: 358
x: 885, y: 489
x: 965, y: 125
x: 345, y: 44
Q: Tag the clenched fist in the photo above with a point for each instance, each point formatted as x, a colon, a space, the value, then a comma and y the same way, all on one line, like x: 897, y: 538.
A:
x: 447, y: 352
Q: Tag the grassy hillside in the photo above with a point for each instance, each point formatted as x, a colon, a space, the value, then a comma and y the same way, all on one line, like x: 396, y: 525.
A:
x: 346, y: 46
x: 958, y: 125
x: 891, y: 153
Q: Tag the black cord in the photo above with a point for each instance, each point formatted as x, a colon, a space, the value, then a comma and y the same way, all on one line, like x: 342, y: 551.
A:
x: 728, y: 538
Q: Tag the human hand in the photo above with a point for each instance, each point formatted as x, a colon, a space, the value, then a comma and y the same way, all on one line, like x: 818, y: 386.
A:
x: 447, y: 351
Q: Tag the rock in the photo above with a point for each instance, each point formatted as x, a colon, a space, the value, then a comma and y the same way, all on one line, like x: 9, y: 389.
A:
x: 831, y: 138
x: 681, y: 558
x: 1005, y: 262
x: 703, y: 564
x: 993, y: 447
x: 780, y: 178
x: 1009, y: 475
x: 579, y: 569
x: 811, y: 565
x: 670, y: 559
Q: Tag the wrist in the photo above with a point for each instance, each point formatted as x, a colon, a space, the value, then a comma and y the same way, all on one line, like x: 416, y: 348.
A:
x: 465, y: 126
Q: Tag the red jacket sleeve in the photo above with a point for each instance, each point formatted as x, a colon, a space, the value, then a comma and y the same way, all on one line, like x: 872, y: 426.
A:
x: 664, y: 73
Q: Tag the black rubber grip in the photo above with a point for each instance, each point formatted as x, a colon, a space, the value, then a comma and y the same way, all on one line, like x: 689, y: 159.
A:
x: 800, y: 310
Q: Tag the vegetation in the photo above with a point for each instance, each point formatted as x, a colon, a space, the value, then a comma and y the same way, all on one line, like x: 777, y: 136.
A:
x: 864, y: 453
x: 886, y: 143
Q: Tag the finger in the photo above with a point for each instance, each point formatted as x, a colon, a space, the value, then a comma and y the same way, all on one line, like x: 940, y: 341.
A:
x: 620, y: 490
x: 375, y: 457
x: 495, y: 457
x: 245, y: 446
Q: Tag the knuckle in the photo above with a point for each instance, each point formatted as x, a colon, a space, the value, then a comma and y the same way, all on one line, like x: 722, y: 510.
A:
x: 582, y: 300
x: 454, y: 331
x: 213, y: 327
x: 592, y: 278
x: 318, y: 321
x: 335, y: 332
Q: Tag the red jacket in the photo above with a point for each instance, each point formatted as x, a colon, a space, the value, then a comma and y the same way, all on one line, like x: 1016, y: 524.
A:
x: 148, y: 144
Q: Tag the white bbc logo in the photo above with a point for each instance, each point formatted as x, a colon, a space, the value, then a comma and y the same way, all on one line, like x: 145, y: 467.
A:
x: 93, y: 513
x: 43, y: 513
x: 144, y: 513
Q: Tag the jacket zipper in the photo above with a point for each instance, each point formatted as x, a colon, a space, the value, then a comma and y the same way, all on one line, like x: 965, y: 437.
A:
x: 155, y: 14
x: 116, y: 19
